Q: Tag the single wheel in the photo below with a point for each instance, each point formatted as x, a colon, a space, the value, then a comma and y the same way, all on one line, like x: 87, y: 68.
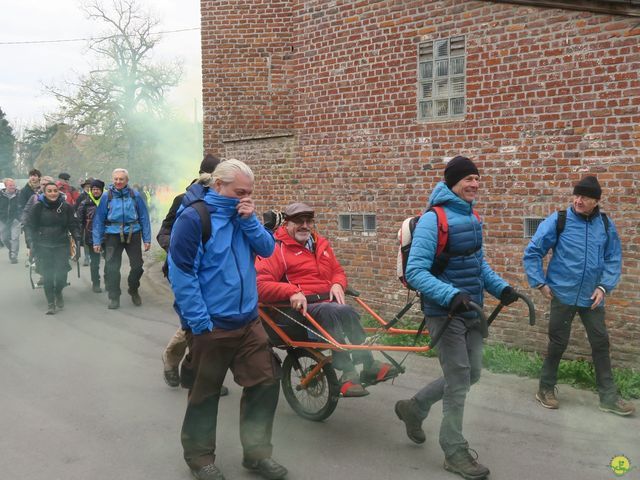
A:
x: 319, y: 399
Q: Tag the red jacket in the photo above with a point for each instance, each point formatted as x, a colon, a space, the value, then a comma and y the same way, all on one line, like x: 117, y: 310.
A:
x: 293, y: 268
x: 71, y: 194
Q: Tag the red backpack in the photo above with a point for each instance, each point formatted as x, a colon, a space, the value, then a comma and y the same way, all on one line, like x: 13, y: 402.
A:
x: 405, y: 237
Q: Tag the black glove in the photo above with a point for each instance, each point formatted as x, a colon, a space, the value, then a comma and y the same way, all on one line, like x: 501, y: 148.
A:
x: 272, y: 219
x: 459, y: 303
x: 508, y: 296
x: 78, y: 250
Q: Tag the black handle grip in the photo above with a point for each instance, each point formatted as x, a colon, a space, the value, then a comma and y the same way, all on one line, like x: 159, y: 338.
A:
x: 525, y: 299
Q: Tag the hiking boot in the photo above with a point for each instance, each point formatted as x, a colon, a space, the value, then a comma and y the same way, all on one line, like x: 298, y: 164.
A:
x: 406, y: 410
x: 619, y: 407
x: 51, y: 310
x: 14, y: 261
x: 465, y: 465
x: 96, y: 288
x: 267, y: 468
x: 135, y: 297
x: 547, y: 398
x: 59, y: 301
x: 208, y: 472
x: 114, y: 303
x: 171, y: 374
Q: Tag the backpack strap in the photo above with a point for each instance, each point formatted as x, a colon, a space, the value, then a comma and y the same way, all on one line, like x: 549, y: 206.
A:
x: 205, y: 219
x: 443, y: 228
x: 441, y: 259
x: 561, y: 221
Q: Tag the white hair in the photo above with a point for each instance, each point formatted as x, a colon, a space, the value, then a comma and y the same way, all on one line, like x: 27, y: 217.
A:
x: 120, y: 170
x: 226, y: 172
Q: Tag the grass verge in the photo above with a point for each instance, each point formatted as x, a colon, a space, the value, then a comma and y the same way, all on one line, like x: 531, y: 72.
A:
x: 503, y: 359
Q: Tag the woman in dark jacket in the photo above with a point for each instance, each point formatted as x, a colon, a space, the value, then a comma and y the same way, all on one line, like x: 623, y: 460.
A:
x: 49, y: 224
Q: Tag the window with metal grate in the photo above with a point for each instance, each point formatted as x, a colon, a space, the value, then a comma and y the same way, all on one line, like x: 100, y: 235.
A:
x: 531, y: 225
x: 357, y: 222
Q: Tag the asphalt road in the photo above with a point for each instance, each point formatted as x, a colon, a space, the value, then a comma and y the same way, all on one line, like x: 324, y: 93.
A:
x: 82, y: 397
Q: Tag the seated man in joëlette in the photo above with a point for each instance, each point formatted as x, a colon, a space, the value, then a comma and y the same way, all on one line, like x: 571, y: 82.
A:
x: 303, y: 263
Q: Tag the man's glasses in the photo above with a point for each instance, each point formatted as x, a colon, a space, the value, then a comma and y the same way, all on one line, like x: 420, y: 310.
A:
x: 302, y: 220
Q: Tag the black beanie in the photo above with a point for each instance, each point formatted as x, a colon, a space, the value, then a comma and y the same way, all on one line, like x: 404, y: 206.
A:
x: 458, y: 168
x: 588, y: 187
x: 209, y: 163
x: 97, y: 183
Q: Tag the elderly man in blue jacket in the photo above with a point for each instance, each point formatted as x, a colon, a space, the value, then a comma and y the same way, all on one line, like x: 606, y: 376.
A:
x: 217, y: 300
x: 120, y: 222
x: 584, y: 268
x: 447, y: 288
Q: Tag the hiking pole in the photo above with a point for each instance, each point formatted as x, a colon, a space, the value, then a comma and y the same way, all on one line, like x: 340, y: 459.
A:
x: 532, y: 310
x: 33, y: 285
x: 473, y: 307
x: 78, y: 253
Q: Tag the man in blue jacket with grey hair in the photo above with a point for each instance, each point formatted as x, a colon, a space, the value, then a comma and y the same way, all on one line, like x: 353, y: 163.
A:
x: 121, y: 222
x: 585, y: 267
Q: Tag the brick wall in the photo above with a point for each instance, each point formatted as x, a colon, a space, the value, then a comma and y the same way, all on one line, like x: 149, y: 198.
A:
x: 551, y: 96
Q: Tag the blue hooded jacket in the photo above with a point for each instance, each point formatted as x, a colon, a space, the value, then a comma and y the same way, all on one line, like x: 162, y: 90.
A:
x: 124, y: 210
x: 584, y: 257
x: 215, y: 286
x: 469, y: 274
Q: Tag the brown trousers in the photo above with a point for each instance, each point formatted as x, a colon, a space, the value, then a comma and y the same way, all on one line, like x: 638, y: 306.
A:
x: 247, y: 353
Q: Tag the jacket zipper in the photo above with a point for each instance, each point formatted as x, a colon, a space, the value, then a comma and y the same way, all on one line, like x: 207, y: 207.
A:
x: 235, y: 257
x: 584, y: 267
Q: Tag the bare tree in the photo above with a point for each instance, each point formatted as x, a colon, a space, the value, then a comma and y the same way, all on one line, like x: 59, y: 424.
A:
x: 125, y: 93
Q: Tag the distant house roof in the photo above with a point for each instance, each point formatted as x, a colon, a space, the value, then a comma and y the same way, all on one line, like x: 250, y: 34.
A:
x: 630, y: 8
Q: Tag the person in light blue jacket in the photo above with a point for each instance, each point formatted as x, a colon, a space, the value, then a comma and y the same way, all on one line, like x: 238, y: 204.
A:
x: 120, y: 222
x: 216, y: 298
x: 585, y: 267
x: 446, y: 288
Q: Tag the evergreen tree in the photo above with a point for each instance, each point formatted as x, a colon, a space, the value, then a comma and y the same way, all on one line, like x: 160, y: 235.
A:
x: 7, y: 146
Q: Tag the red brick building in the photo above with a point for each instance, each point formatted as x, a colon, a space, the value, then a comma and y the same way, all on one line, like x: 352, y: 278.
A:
x: 355, y: 106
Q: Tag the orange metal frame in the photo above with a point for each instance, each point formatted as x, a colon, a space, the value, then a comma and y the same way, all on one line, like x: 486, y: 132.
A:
x: 346, y: 346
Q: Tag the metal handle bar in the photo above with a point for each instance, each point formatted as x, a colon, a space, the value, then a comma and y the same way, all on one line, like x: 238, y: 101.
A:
x: 484, y: 328
x: 525, y: 299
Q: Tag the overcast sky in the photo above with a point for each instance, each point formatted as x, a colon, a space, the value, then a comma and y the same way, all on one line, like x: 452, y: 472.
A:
x: 24, y: 69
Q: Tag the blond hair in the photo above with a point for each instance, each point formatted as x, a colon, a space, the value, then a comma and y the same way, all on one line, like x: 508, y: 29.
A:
x: 226, y: 172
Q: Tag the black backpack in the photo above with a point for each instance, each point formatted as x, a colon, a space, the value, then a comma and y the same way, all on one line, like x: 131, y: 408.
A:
x: 205, y: 221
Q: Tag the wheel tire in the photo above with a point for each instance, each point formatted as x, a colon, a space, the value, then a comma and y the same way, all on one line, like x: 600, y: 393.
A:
x: 320, y: 398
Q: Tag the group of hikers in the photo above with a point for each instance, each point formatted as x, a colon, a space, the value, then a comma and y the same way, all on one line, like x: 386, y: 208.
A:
x: 58, y: 220
x: 222, y: 261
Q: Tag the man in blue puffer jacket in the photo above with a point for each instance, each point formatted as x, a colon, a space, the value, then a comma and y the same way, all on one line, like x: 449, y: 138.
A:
x: 217, y: 301
x: 585, y: 266
x: 447, y: 293
x: 120, y: 221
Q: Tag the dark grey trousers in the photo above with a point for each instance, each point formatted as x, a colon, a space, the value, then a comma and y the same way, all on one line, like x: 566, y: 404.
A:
x: 460, y: 355
x: 342, y: 322
x: 561, y: 317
